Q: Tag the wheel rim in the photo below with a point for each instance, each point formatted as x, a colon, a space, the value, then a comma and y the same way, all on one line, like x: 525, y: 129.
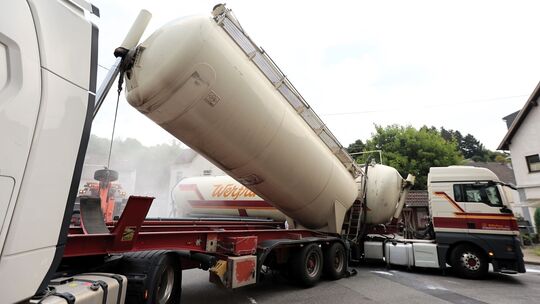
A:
x: 313, y: 264
x: 166, y: 284
x: 470, y: 261
x: 338, y: 261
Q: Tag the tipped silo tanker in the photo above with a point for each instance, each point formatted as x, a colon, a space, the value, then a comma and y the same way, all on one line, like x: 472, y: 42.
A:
x: 206, y: 83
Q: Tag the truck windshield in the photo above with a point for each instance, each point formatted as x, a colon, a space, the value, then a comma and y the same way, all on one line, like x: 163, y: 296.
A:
x: 478, y: 193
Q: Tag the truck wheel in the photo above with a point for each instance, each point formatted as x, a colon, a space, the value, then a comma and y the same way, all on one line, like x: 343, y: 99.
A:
x: 166, y: 282
x: 154, y: 277
x: 106, y: 175
x: 307, y: 264
x: 469, y: 262
x: 335, y: 261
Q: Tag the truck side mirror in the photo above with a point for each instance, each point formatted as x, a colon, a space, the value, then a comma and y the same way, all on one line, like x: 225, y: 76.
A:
x: 505, y: 209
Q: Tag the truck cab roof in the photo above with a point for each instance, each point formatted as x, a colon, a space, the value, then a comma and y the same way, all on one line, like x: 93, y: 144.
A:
x: 460, y: 173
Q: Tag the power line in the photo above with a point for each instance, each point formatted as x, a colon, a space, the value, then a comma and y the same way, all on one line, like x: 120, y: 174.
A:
x: 425, y: 106
x: 103, y: 67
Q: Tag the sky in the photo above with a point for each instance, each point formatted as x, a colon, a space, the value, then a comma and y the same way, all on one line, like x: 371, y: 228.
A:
x: 463, y: 65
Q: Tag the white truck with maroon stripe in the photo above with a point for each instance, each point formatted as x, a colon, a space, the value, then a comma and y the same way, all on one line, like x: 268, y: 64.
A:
x: 471, y: 224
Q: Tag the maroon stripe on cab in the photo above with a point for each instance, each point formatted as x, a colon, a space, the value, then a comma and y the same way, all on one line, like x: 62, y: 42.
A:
x: 473, y: 223
x: 449, y: 199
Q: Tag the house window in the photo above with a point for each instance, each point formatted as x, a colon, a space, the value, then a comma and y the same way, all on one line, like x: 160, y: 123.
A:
x: 478, y: 193
x: 533, y: 163
x: 207, y: 172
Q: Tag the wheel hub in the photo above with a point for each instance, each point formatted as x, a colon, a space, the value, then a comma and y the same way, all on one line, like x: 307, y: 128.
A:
x: 470, y: 261
x: 338, y: 261
x: 166, y: 285
x: 312, y: 264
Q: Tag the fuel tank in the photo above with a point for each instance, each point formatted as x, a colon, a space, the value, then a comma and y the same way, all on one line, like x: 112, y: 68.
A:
x: 220, y: 196
x: 193, y: 80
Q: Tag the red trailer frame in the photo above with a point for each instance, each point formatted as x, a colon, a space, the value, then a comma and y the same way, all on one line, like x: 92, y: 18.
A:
x: 133, y: 233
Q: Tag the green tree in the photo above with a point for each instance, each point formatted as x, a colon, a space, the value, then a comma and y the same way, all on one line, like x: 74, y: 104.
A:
x: 537, y: 219
x: 356, y: 147
x: 472, y: 148
x: 414, y: 151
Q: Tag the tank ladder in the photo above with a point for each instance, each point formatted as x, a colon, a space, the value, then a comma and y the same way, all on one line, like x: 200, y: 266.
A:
x: 224, y: 18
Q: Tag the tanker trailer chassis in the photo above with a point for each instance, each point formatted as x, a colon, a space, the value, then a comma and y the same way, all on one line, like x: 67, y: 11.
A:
x: 235, y: 252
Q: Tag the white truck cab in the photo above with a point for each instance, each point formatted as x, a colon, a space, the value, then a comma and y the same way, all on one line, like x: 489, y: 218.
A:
x: 472, y: 221
x: 47, y: 89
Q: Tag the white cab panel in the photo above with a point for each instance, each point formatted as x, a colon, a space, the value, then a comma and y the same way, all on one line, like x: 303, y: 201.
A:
x: 21, y: 274
x: 4, y: 66
x: 44, y: 191
x: 20, y: 93
x: 425, y: 255
x: 64, y: 39
x: 6, y: 190
x: 42, y: 116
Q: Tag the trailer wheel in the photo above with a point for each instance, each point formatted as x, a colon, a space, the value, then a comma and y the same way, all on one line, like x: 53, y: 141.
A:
x: 469, y: 262
x: 307, y: 265
x: 335, y: 261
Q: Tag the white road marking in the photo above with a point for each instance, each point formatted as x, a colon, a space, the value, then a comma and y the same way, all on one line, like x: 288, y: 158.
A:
x: 252, y: 300
x: 533, y: 270
x: 383, y: 272
x: 435, y: 287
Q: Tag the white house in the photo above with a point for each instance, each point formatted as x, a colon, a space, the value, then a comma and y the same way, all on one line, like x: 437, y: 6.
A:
x: 523, y: 141
x: 190, y: 163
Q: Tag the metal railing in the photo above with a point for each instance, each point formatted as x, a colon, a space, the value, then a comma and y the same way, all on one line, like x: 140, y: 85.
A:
x: 280, y: 82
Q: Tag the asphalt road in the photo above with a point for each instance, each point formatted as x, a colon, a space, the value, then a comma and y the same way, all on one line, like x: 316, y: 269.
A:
x: 373, y: 284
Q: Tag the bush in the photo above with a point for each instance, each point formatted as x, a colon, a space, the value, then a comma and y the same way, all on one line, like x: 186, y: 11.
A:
x: 537, y: 219
x: 527, y: 240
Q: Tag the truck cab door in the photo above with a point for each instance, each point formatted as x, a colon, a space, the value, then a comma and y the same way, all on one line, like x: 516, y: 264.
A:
x: 485, y: 208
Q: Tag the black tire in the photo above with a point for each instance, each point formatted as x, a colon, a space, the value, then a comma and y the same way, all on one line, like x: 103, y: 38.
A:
x: 106, y: 175
x: 335, y: 261
x: 162, y: 273
x: 166, y: 285
x: 469, y: 262
x: 307, y: 264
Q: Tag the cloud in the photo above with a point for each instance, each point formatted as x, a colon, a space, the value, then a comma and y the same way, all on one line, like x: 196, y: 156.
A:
x: 406, y: 62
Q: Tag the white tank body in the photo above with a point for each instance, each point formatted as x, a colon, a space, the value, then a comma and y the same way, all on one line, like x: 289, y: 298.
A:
x: 220, y: 196
x: 384, y: 186
x: 194, y: 81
